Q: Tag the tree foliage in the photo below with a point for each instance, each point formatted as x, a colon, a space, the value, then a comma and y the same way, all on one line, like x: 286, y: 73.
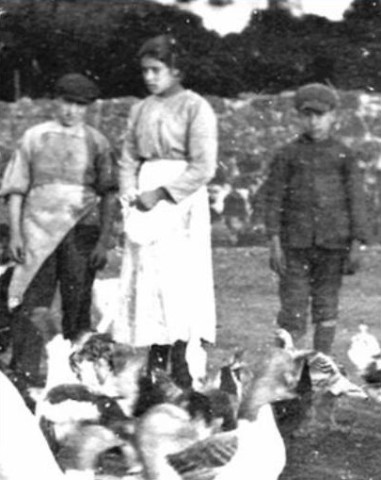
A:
x: 40, y: 40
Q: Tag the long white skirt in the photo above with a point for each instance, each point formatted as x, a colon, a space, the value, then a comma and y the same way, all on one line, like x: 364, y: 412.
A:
x: 166, y: 280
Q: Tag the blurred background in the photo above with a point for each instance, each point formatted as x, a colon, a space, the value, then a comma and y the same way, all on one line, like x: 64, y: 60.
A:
x: 246, y: 56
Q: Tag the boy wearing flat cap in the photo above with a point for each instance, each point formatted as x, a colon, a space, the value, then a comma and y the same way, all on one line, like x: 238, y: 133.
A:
x: 60, y: 185
x: 315, y: 218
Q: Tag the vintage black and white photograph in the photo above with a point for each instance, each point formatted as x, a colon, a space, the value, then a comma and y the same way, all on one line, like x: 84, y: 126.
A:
x: 190, y: 239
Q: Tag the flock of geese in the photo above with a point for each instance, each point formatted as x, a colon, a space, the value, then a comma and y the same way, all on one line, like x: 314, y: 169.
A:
x: 99, y: 400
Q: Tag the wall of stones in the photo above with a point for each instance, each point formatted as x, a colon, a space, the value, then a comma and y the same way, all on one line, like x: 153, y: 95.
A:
x: 251, y: 128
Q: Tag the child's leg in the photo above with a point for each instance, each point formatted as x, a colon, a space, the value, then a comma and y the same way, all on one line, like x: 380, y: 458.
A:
x: 29, y: 324
x: 325, y: 284
x: 294, y: 293
x: 324, y: 336
x: 76, y: 279
x: 27, y: 345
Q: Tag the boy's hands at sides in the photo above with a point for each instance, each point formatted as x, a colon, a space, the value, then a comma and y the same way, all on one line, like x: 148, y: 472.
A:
x: 147, y: 200
x: 277, y: 259
x: 17, y: 247
x: 352, y: 262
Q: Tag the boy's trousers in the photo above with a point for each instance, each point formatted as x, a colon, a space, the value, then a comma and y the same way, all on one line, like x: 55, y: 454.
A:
x: 69, y: 269
x: 313, y: 278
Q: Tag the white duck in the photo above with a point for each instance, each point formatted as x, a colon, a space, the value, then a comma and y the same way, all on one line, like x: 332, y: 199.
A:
x: 102, y: 395
x: 24, y: 452
x: 364, y: 347
x: 170, y: 449
x: 365, y: 354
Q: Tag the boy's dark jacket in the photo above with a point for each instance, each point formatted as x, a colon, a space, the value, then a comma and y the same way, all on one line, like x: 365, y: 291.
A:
x: 314, y: 195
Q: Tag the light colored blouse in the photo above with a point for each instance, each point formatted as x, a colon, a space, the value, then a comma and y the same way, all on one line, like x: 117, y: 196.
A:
x: 180, y: 127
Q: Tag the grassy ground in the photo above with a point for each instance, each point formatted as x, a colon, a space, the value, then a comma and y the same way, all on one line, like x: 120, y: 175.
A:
x: 247, y: 304
x: 247, y: 300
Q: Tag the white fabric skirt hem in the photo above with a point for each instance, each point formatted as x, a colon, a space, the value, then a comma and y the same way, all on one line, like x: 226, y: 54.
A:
x: 166, y: 284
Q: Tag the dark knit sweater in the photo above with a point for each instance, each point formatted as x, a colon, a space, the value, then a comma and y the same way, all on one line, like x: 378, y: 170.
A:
x: 315, y: 195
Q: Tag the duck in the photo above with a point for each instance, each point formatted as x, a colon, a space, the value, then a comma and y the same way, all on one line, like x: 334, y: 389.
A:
x: 321, y: 386
x: 94, y: 363
x: 171, y: 449
x: 291, y: 414
x: 213, y: 402
x: 330, y: 384
x: 158, y: 388
x: 364, y: 348
x: 325, y: 374
x: 226, y: 389
x: 101, y: 397
x: 365, y: 354
x: 82, y: 453
x: 229, y: 375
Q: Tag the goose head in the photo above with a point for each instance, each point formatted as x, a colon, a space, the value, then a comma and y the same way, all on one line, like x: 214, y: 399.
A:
x: 283, y: 339
x: 91, y: 359
x: 278, y: 381
x: 109, y: 368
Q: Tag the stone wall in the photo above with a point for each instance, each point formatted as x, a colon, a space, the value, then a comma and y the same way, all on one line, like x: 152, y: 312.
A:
x: 251, y: 127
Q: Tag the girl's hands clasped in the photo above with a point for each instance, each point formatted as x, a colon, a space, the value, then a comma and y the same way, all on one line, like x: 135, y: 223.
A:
x: 147, y: 200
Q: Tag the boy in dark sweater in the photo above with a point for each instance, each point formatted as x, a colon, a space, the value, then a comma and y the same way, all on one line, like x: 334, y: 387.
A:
x: 315, y: 218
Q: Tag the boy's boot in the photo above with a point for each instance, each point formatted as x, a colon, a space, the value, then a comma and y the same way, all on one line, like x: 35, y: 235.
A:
x: 179, y: 366
x: 324, y: 336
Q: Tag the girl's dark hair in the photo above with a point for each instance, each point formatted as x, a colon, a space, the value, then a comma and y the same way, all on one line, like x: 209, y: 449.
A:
x: 166, y: 49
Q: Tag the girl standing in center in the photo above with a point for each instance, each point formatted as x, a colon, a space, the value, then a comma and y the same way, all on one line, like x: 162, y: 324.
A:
x: 169, y: 155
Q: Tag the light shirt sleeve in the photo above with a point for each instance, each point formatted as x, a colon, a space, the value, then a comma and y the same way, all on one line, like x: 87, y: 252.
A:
x: 17, y: 176
x: 202, y: 152
x: 128, y: 162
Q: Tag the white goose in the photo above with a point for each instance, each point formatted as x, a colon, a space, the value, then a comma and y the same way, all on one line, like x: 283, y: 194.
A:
x: 170, y: 449
x: 93, y: 409
x: 24, y: 452
x: 365, y: 354
x: 364, y: 349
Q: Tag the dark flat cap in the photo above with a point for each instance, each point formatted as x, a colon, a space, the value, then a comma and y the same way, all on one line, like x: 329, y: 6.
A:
x: 75, y: 87
x: 316, y: 97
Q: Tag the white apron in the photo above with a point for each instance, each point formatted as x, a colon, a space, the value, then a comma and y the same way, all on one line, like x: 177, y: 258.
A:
x: 166, y: 285
x: 49, y: 213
